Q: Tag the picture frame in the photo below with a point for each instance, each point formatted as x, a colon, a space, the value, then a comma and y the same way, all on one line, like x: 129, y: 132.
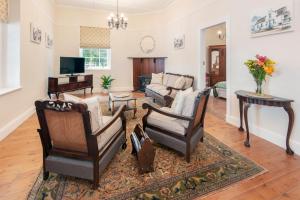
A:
x: 48, y: 41
x: 179, y: 42
x: 276, y: 19
x: 35, y: 34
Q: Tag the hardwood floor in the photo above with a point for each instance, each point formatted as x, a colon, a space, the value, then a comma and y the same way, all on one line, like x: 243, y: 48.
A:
x: 21, y: 156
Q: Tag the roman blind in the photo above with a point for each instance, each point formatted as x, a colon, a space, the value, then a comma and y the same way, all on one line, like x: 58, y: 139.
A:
x: 94, y: 37
x: 3, y: 11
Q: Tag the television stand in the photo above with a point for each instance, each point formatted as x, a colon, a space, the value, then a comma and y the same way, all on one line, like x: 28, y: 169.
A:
x: 69, y: 84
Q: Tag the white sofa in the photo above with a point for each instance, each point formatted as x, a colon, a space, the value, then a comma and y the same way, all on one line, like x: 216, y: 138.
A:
x: 162, y: 93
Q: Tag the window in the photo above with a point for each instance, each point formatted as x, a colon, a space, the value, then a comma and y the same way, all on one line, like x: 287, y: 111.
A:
x: 96, y: 59
x: 10, y: 36
x: 95, y: 47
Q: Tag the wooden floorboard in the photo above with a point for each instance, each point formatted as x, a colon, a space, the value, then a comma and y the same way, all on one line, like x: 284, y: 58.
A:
x: 21, y: 160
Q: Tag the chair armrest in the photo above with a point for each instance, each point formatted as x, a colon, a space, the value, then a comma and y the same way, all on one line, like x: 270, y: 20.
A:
x: 169, y: 100
x: 153, y: 108
x: 119, y: 113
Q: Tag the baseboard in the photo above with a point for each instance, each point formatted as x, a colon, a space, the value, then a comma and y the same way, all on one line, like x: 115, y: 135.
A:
x: 15, y: 123
x: 268, y: 135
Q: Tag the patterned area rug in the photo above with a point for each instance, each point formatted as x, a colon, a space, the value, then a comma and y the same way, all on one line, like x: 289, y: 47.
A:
x: 213, y: 166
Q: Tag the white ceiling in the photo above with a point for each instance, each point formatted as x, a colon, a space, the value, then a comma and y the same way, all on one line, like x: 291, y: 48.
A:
x: 129, y: 6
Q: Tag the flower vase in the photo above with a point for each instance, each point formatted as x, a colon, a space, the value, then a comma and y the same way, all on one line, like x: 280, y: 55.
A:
x: 259, y: 87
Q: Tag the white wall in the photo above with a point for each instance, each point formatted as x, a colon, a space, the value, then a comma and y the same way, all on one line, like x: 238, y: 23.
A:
x: 35, y: 63
x: 211, y: 36
x: 124, y: 43
x: 190, y: 15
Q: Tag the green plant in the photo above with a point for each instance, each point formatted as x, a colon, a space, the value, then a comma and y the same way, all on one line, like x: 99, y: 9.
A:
x: 106, y: 81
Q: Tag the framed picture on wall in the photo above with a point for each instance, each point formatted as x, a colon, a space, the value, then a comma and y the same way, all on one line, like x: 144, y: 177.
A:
x: 179, y: 42
x: 277, y: 18
x: 48, y: 41
x: 35, y: 34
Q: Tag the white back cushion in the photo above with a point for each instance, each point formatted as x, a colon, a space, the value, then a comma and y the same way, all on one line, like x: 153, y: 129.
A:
x: 157, y: 79
x: 165, y: 79
x: 180, y: 82
x: 93, y: 104
x: 178, y: 103
x: 189, y: 104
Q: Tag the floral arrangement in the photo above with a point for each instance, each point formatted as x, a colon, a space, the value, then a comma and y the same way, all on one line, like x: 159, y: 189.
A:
x: 261, y: 67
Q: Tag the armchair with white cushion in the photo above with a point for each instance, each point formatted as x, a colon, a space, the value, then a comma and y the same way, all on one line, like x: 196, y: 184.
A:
x: 180, y: 130
x: 77, y: 143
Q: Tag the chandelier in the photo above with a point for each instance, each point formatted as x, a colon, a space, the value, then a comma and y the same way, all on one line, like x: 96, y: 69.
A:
x: 117, y: 21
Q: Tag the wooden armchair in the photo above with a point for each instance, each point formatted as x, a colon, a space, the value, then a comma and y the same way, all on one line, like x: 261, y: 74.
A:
x: 69, y: 146
x: 180, y: 133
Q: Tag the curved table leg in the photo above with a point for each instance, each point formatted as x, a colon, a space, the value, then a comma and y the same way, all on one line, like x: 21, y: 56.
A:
x: 241, y: 115
x: 247, y: 142
x: 291, y: 114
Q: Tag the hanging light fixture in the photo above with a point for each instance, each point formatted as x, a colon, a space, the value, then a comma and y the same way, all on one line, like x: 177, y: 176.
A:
x: 117, y: 21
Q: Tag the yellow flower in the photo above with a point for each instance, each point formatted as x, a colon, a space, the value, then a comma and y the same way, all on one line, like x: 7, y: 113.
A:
x: 269, y: 70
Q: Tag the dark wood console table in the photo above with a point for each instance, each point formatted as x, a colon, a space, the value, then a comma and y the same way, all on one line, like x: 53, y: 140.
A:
x: 249, y: 98
x: 72, y: 84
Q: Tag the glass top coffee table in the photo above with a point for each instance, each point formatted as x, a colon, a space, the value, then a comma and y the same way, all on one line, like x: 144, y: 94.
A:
x: 117, y: 99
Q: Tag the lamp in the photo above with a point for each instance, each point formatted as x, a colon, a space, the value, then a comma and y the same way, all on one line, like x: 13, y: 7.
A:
x: 221, y: 35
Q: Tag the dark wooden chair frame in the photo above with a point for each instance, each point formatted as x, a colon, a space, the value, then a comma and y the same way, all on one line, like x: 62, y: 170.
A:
x: 196, y: 122
x: 93, y: 153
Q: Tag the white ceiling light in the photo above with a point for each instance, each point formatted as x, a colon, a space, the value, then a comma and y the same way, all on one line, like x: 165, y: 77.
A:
x: 117, y: 20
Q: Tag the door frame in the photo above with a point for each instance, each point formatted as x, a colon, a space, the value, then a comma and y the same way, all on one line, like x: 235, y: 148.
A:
x: 202, y: 70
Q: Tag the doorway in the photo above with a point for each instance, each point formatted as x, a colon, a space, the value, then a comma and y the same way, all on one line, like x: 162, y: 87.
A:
x: 214, y: 46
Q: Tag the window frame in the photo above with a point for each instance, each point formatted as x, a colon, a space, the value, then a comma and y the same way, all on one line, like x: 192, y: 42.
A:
x: 108, y: 57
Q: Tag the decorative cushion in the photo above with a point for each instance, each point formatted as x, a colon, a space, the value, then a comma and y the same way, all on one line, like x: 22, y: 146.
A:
x: 168, y: 123
x: 93, y: 105
x: 165, y: 79
x: 188, y: 83
x: 189, y: 104
x: 172, y: 80
x: 104, y: 139
x: 179, y: 83
x: 178, y: 102
x: 157, y: 78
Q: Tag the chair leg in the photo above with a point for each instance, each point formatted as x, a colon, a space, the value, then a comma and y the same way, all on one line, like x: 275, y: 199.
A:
x: 45, y: 175
x: 96, y: 175
x: 188, y: 158
x: 202, y: 139
x: 124, y: 146
x: 188, y: 155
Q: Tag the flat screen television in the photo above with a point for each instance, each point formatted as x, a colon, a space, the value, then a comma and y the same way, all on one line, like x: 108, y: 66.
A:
x: 72, y: 65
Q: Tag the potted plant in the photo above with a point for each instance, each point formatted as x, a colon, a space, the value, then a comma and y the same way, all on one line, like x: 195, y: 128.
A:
x: 260, y: 67
x: 106, y: 82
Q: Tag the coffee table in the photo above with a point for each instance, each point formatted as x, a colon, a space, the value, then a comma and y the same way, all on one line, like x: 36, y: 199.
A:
x: 117, y: 99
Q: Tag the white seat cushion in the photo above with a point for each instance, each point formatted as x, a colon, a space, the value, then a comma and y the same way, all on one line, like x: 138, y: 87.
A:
x: 105, y: 137
x: 168, y: 123
x: 157, y: 88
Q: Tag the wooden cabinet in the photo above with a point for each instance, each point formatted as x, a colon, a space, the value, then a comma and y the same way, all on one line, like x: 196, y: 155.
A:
x: 216, y: 64
x: 145, y: 66
x: 72, y: 84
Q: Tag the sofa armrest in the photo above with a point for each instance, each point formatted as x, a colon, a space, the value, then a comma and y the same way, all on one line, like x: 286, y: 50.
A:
x: 118, y: 114
x: 155, y: 109
x: 169, y: 100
